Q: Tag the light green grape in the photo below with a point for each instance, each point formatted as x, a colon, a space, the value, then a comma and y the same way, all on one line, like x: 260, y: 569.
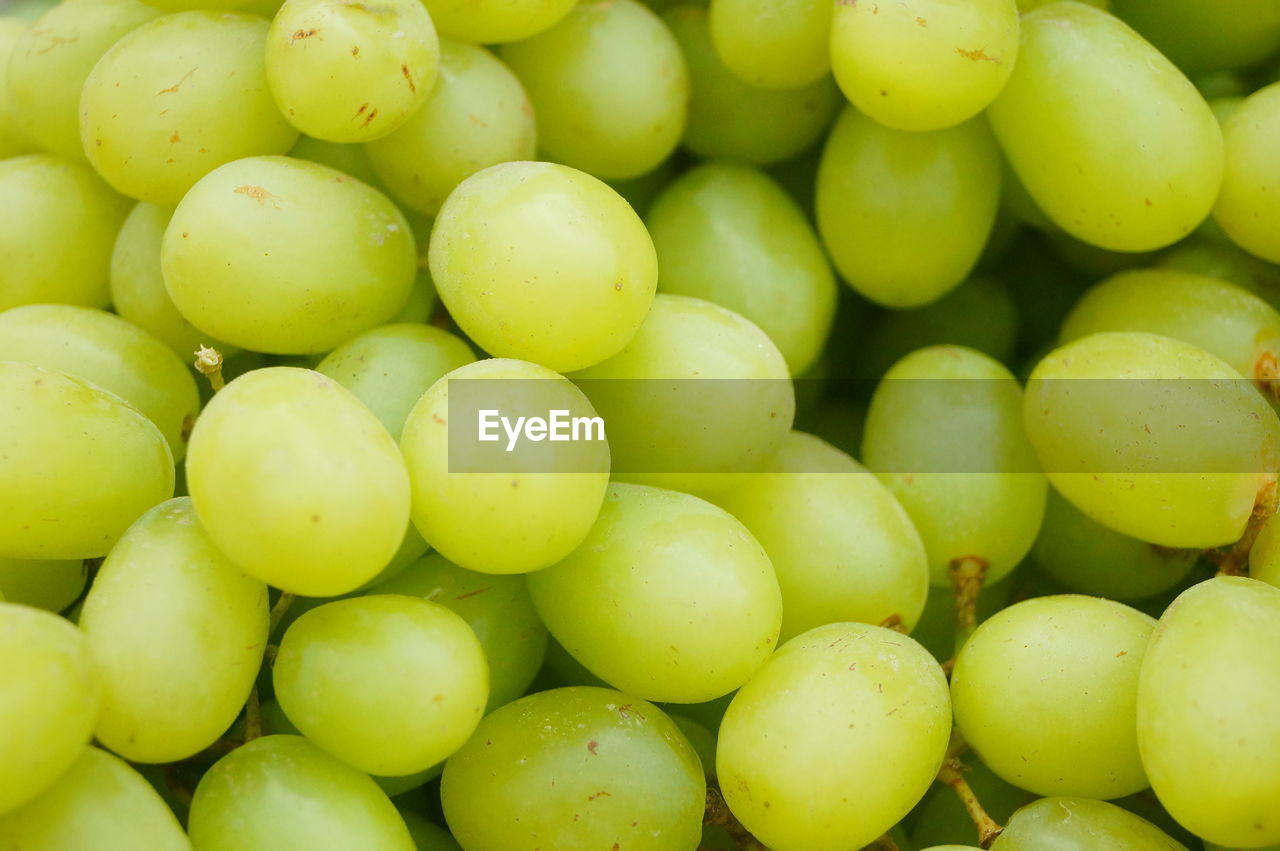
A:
x: 476, y: 116
x: 1247, y: 206
x: 615, y: 762
x: 1227, y: 262
x: 351, y: 72
x: 77, y: 465
x: 1208, y: 734
x: 542, y: 262
x: 12, y: 140
x: 941, y: 818
x: 1111, y: 141
x: 882, y: 193
x: 348, y: 159
x: 178, y: 97
x: 495, y: 21
x: 1201, y: 36
x: 773, y: 44
x: 702, y: 740
x: 266, y: 8
x: 1264, y: 555
x: 669, y: 598
x: 609, y: 86
x: 51, y: 585
x: 804, y: 748
x: 1080, y: 824
x: 1025, y: 6
x: 281, y: 792
x: 298, y: 482
x: 270, y: 237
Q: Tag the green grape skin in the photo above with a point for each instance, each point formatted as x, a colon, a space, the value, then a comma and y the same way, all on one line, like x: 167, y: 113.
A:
x: 1208, y: 734
x: 1207, y: 36
x: 702, y: 740
x: 609, y: 86
x: 841, y: 545
x: 99, y: 802
x: 944, y: 434
x: 427, y: 835
x: 283, y: 792
x: 13, y: 142
x: 773, y: 44
x: 514, y: 224
x: 1246, y: 208
x: 941, y: 818
x: 1080, y: 824
x: 1026, y: 6
x: 175, y: 99
x: 348, y: 159
x: 49, y: 584
x: 478, y: 115
x: 882, y: 193
x: 1227, y: 262
x: 57, y: 227
x: 1264, y: 555
x: 297, y: 482
x: 496, y: 21
x: 499, y: 611
x: 535, y: 764
x: 348, y: 72
x: 266, y: 8
x: 1140, y: 456
x: 730, y: 235
x: 77, y: 465
x: 813, y: 729
x: 1110, y: 140
x: 266, y: 237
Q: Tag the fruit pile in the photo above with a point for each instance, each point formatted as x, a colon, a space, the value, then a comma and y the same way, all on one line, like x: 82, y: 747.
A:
x: 268, y: 268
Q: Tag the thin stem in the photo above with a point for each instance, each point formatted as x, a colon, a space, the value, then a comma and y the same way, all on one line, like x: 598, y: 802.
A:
x: 967, y: 576
x: 209, y: 364
x: 1234, y: 560
x: 718, y: 813
x: 269, y: 654
x: 252, y: 716
x: 952, y: 774
x: 278, y: 610
x: 894, y: 622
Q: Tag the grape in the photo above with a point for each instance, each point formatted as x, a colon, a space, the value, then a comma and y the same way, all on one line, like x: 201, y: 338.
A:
x: 12, y: 140
x: 609, y: 86
x: 851, y: 700
x: 1080, y: 823
x: 494, y: 21
x: 1227, y: 262
x: 1246, y: 209
x: 542, y: 262
x: 283, y: 792
x: 1209, y: 737
x: 773, y: 44
x: 45, y: 584
x: 298, y: 482
x: 476, y: 116
x: 268, y: 237
x: 1264, y: 555
x: 669, y: 598
x: 266, y: 8
x: 882, y: 193
x: 1112, y: 142
x: 1025, y: 6
x: 348, y: 159
x: 351, y: 72
x: 1207, y: 36
x: 702, y: 740
x: 577, y: 768
x: 175, y: 99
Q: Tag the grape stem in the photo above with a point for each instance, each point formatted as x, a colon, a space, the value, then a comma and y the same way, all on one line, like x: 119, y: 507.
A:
x: 718, y: 813
x: 952, y: 774
x: 209, y: 364
x: 894, y: 622
x: 278, y: 610
x: 884, y: 843
x: 967, y: 576
x: 1234, y: 560
x: 252, y: 716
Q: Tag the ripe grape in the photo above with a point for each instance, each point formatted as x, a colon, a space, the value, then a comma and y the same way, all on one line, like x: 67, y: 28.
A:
x: 495, y: 21
x: 1080, y: 823
x: 1246, y: 207
x: 1264, y: 555
x: 12, y: 140
x: 50, y: 584
x: 773, y: 44
x: 1207, y: 36
x: 1228, y: 262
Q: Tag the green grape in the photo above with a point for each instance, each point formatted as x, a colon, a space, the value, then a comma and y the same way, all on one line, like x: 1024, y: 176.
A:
x: 495, y: 21
x: 476, y: 116
x: 1207, y: 730
x: 805, y: 746
x: 941, y: 818
x: 351, y: 72
x: 1080, y: 824
x: 609, y: 86
x: 44, y: 584
x: 77, y: 465
x: 1226, y: 262
x: 1264, y: 555
x: 773, y: 44
x: 279, y: 792
x: 733, y: 120
x: 542, y: 262
x: 883, y: 193
x: 348, y: 159
x: 499, y: 611
x: 298, y: 482
x: 49, y: 698
x: 270, y: 237
x: 427, y: 836
x: 266, y: 8
x: 923, y: 64
x: 178, y: 97
x: 576, y: 768
x: 13, y: 142
x: 841, y: 545
x: 1200, y: 36
x: 1112, y: 142
x: 1152, y: 437
x: 1025, y: 6
x: 99, y: 802
x: 702, y: 740
x: 944, y: 434
x: 1247, y: 207
x: 57, y: 226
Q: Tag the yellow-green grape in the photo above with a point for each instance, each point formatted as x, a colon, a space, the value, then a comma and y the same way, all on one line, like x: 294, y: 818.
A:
x: 730, y: 235
x: 107, y: 351
x: 281, y: 792
x: 178, y: 97
x: 1111, y: 141
x: 1080, y: 823
x: 58, y: 223
x: 733, y: 120
x: 882, y: 193
x: 100, y: 802
x: 1264, y: 555
x: 701, y: 739
x: 841, y: 545
x: 923, y: 64
x: 348, y: 159
x: 495, y: 21
x: 49, y: 699
x: 270, y: 237
x: 773, y: 44
x: 1208, y: 736
x: 1227, y: 262
x: 12, y: 140
x: 45, y: 584
x: 77, y: 465
x: 944, y: 434
x: 176, y: 633
x: 351, y: 72
x: 609, y: 86
x: 476, y: 116
x: 266, y: 8
x: 1200, y: 36
x: 804, y: 748
x: 497, y: 608
x: 1025, y: 6
x: 298, y: 482
x: 616, y: 762
x: 1247, y: 208
x: 1152, y: 437
x: 543, y: 262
